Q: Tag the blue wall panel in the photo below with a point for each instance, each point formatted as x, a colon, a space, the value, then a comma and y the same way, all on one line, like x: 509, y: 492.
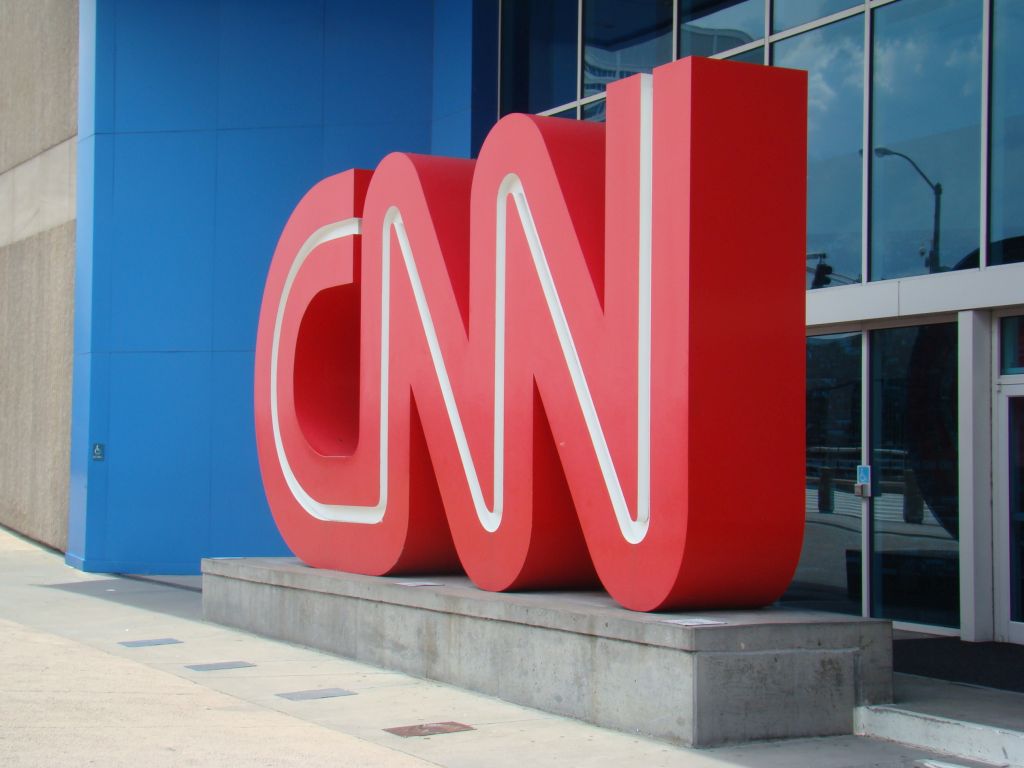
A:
x: 240, y: 523
x: 164, y: 198
x: 271, y: 63
x: 378, y: 62
x: 453, y: 78
x: 261, y: 176
x: 203, y: 122
x: 165, y: 65
x: 158, y: 460
x: 365, y: 145
x: 88, y: 483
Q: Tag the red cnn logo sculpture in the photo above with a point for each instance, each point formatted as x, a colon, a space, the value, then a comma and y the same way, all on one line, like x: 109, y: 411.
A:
x: 577, y: 358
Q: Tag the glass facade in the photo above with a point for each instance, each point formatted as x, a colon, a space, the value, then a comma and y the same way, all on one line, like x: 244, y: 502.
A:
x: 828, y: 577
x: 792, y: 13
x: 707, y: 27
x: 1006, y: 211
x: 926, y: 125
x: 1011, y: 334
x: 834, y: 58
x: 914, y: 504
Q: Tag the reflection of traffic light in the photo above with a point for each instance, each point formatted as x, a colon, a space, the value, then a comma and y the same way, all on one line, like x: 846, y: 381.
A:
x: 821, y: 275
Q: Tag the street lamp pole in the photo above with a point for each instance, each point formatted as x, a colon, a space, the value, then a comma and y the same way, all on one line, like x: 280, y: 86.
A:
x: 933, y: 255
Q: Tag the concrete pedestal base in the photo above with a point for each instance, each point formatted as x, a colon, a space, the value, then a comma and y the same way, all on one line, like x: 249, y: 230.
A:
x: 690, y: 679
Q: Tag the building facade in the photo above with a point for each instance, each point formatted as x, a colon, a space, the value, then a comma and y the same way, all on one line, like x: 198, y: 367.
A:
x: 201, y: 124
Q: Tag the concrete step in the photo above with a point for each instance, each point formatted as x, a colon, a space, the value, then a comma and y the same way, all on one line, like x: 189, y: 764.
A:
x: 962, y: 721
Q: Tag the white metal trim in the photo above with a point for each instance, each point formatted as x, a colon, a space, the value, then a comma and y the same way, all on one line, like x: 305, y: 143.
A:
x: 866, y: 524
x: 1005, y: 630
x: 917, y: 296
x: 766, y: 35
x: 974, y: 431
x: 866, y: 139
x: 675, y: 30
x: 986, y: 106
x: 737, y: 50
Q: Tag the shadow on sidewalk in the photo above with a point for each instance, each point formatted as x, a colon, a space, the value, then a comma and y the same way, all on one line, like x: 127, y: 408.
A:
x: 173, y: 600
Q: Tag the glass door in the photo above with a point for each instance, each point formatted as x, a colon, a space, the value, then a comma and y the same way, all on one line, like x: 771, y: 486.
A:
x: 1009, y: 517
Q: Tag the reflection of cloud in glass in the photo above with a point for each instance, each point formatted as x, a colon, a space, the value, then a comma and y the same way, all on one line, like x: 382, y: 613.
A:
x: 836, y: 63
x: 834, y: 59
x: 927, y: 56
x: 833, y: 56
x: 927, y: 106
x: 894, y: 59
x: 1007, y: 196
x: 965, y: 56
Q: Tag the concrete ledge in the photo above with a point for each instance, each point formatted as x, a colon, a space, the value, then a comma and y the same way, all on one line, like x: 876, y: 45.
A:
x: 964, y: 721
x: 771, y: 673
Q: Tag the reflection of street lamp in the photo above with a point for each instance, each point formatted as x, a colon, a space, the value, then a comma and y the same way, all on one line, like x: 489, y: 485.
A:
x: 932, y: 261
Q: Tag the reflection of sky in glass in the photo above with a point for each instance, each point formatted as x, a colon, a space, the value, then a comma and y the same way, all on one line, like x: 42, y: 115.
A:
x: 927, y: 101
x: 713, y: 26
x: 834, y: 58
x: 1007, y: 196
x: 792, y: 13
x: 623, y: 37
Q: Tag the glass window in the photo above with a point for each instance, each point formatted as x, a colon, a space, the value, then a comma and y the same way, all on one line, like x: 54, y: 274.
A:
x: 707, y: 27
x: 834, y: 58
x: 538, y: 54
x: 925, y: 174
x: 753, y: 56
x: 792, y: 13
x: 623, y: 38
x: 915, y: 506
x: 1006, y: 219
x: 1012, y: 335
x: 569, y: 113
x: 594, y: 111
x: 828, y: 577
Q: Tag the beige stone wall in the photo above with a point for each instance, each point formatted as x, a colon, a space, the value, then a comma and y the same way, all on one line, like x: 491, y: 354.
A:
x: 38, y: 126
x: 38, y: 77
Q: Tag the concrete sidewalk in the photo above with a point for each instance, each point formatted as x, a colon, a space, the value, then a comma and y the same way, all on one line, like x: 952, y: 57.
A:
x: 74, y: 693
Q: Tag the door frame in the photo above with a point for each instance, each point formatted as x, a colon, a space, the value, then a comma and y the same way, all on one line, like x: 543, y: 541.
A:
x: 1007, y: 388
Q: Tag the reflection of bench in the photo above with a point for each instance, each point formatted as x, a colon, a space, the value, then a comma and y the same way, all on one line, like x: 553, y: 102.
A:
x: 827, y: 484
x: 921, y: 578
